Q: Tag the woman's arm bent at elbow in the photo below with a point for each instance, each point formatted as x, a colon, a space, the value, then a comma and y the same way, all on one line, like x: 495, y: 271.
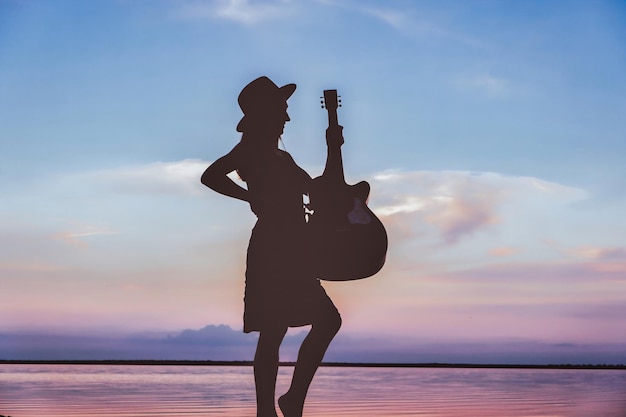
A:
x: 216, y: 177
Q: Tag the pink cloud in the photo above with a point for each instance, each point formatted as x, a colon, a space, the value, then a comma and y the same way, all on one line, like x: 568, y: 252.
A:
x: 599, y: 253
x: 82, y: 231
x: 546, y: 273
x: 33, y: 266
x: 503, y: 251
x: 461, y: 216
x: 457, y: 204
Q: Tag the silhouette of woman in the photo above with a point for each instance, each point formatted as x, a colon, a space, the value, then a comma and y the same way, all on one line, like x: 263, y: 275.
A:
x: 281, y: 290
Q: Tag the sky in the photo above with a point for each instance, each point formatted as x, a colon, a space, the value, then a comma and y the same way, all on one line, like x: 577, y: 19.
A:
x: 493, y: 135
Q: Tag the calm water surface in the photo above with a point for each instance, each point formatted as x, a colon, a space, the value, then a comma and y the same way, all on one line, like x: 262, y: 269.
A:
x: 138, y: 391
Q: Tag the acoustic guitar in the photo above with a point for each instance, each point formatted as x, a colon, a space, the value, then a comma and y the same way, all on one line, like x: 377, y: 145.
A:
x: 349, y: 241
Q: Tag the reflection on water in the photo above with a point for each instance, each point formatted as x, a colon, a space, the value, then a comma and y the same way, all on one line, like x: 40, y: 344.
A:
x: 138, y: 391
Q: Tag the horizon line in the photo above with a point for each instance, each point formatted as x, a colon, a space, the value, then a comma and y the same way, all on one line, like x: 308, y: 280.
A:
x: 157, y: 362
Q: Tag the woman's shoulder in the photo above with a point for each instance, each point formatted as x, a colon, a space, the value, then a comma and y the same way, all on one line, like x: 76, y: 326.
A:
x: 286, y: 156
x: 238, y: 149
x: 301, y: 173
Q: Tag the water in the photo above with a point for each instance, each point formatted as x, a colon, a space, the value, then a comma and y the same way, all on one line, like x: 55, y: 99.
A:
x: 138, y: 391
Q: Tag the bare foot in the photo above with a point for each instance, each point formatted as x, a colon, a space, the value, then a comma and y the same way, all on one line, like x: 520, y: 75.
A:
x: 289, y: 407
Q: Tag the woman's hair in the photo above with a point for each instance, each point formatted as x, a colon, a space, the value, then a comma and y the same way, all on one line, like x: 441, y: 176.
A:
x: 253, y: 145
x: 250, y: 146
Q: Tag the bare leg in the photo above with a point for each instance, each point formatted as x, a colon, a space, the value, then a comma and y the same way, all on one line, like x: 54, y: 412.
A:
x: 266, y: 370
x: 309, y: 358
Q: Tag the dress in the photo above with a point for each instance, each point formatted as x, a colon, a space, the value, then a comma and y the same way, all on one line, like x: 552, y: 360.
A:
x: 280, y: 288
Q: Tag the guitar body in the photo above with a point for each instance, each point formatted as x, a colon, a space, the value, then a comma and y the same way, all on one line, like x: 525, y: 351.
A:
x: 349, y: 241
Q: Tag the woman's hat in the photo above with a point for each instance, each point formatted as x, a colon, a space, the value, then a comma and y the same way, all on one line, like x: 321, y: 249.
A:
x: 260, y: 97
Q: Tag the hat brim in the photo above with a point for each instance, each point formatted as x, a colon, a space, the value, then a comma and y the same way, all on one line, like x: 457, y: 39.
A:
x: 287, y: 90
x: 284, y: 92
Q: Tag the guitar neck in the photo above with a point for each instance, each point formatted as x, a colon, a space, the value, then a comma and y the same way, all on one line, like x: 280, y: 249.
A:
x: 333, y: 121
x: 334, y: 163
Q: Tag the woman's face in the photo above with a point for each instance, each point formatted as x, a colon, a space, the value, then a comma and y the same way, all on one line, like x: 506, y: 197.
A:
x: 276, y: 120
x: 269, y: 122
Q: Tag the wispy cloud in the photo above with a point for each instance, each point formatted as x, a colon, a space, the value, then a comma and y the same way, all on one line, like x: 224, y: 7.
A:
x: 79, y: 232
x: 406, y: 21
x: 459, y: 203
x: 494, y: 86
x: 240, y: 11
x: 395, y: 18
x: 485, y: 84
x: 175, y: 178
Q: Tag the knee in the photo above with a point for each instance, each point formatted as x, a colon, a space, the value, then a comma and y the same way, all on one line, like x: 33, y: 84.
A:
x: 336, y: 322
x: 331, y: 323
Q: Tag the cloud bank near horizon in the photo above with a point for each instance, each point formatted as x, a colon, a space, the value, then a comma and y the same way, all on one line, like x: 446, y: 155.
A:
x: 222, y: 343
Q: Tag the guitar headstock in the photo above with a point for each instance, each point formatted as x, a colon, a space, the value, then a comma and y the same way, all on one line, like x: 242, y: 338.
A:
x: 331, y: 100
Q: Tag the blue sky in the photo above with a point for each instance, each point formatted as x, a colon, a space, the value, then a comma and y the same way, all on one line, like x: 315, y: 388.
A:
x: 493, y: 134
